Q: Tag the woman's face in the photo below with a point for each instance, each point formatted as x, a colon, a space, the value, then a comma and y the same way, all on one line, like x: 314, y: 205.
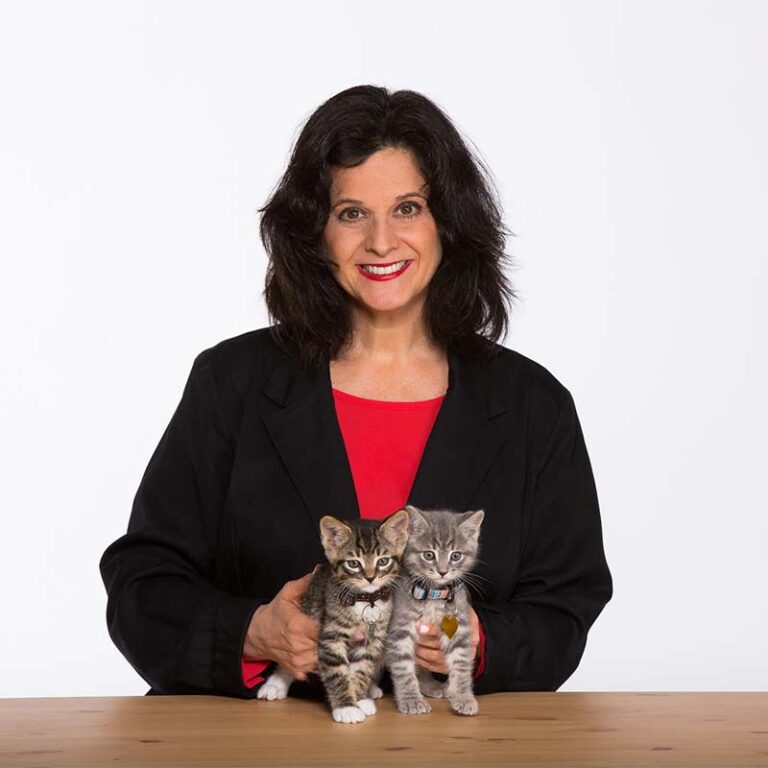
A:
x: 380, y: 218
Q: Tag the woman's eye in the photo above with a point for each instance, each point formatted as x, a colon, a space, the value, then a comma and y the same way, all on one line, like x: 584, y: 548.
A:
x: 413, y: 209
x: 383, y: 562
x: 353, y: 565
x: 456, y: 556
x: 428, y: 555
x: 342, y: 217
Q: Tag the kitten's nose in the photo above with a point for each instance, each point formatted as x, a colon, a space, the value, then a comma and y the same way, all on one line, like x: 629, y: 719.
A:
x: 442, y: 573
x: 370, y: 579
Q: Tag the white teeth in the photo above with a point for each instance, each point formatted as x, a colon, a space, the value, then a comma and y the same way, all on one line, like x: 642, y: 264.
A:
x: 384, y: 270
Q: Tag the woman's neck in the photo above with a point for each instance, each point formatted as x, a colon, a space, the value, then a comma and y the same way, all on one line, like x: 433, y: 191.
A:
x: 380, y: 338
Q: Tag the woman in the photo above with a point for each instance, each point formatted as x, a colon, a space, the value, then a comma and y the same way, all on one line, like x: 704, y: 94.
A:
x: 380, y: 382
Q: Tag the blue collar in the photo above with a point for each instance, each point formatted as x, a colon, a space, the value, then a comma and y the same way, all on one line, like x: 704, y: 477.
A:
x: 446, y: 593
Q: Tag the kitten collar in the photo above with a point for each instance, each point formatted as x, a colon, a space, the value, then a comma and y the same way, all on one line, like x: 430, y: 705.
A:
x: 446, y: 593
x: 350, y: 598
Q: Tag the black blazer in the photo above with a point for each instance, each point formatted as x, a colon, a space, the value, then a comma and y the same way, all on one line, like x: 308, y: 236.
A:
x: 253, y: 457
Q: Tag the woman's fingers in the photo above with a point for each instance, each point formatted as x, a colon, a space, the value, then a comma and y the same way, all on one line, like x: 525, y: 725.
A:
x: 428, y: 656
x: 427, y: 633
x: 302, y: 663
x: 474, y: 630
x: 428, y: 652
x: 281, y: 631
x: 302, y: 627
x: 431, y: 660
x: 428, y: 639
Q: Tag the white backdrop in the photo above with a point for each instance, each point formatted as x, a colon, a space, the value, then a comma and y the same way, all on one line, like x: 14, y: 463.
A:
x: 628, y: 141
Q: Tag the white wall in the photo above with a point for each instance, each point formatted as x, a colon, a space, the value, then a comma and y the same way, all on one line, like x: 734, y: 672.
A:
x: 628, y: 140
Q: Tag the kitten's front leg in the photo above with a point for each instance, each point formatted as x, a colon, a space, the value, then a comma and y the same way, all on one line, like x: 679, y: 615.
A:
x: 401, y: 661
x: 362, y: 672
x: 366, y: 666
x: 367, y: 687
x: 338, y: 679
x: 458, y: 658
x: 374, y: 691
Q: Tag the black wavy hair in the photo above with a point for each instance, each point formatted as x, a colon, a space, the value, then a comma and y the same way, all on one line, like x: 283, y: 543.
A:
x: 466, y: 304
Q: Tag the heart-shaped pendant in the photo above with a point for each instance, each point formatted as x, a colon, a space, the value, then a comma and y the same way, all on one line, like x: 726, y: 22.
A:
x: 449, y: 625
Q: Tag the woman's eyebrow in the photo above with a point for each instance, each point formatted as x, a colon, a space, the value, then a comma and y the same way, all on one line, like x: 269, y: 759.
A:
x: 360, y: 202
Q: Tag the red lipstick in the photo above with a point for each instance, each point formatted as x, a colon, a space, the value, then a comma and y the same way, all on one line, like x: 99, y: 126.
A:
x: 391, y: 276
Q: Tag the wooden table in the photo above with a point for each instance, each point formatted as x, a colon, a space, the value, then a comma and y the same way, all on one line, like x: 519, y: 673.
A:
x: 563, y: 729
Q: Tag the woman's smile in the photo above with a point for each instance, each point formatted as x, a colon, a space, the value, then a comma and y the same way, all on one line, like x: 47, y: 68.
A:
x: 384, y: 271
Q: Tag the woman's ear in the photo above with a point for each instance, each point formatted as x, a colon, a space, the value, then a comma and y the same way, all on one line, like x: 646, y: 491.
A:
x: 333, y: 534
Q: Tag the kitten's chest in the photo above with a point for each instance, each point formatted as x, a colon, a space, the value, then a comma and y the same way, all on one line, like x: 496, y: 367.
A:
x: 369, y: 628
x: 378, y: 611
x: 433, y: 611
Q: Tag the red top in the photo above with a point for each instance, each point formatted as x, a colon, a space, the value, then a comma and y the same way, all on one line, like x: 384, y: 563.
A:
x: 384, y: 441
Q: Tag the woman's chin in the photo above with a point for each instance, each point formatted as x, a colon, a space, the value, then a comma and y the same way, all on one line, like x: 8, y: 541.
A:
x: 383, y: 306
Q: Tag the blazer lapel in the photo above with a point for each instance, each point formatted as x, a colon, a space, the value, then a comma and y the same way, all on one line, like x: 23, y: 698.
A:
x: 465, y: 439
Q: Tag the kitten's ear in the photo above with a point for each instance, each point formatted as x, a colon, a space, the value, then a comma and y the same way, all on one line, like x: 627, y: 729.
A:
x: 395, y: 530
x: 417, y: 522
x: 470, y: 524
x: 333, y: 533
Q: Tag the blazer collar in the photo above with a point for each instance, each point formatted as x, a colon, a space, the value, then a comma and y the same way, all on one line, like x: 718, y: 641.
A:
x: 465, y: 438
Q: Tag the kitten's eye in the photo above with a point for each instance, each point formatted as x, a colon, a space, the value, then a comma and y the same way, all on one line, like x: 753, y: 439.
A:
x: 456, y: 556
x: 383, y: 562
x: 353, y: 565
x: 428, y: 555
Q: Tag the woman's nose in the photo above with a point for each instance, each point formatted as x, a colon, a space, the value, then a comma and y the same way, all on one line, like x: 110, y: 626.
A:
x: 380, y: 236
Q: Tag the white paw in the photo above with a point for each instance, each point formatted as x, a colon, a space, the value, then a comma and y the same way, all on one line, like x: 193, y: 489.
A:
x: 272, y: 689
x: 374, y: 692
x: 348, y: 715
x: 367, y: 705
x: 465, y: 706
x: 414, y: 706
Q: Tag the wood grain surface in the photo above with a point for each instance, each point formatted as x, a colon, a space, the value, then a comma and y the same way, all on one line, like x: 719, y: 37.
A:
x: 521, y: 729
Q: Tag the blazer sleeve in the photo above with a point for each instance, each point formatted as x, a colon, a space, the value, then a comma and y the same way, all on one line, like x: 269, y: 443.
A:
x: 536, y: 638
x: 177, y: 630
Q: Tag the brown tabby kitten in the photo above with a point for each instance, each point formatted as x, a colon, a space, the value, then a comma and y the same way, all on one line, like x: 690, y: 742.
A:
x: 350, y: 597
x: 437, y: 564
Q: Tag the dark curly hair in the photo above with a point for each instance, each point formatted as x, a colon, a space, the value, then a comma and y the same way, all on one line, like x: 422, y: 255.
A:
x: 466, y: 304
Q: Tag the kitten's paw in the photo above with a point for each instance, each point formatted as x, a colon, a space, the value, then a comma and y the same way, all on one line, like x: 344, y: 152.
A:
x: 348, y: 715
x: 465, y: 705
x: 414, y: 706
x: 374, y: 692
x: 433, y: 688
x: 272, y: 689
x: 368, y: 707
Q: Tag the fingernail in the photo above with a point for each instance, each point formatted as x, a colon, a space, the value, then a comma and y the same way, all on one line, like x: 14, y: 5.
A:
x: 423, y: 629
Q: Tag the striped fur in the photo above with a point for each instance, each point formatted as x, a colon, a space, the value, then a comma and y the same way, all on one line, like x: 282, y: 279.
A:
x: 350, y: 670
x: 440, y: 532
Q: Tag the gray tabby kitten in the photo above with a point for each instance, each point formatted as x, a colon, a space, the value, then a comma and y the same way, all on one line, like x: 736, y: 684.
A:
x: 441, y: 551
x: 350, y: 598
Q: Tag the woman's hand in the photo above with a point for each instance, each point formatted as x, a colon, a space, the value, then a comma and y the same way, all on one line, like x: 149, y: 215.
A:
x: 282, y: 632
x: 428, y: 652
